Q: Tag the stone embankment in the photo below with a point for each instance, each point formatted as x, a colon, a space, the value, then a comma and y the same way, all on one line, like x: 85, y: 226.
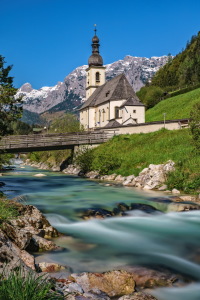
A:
x: 153, y: 177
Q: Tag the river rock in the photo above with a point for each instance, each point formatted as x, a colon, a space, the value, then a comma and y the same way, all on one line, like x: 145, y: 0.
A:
x: 11, y: 256
x: 138, y: 296
x: 163, y: 187
x: 120, y: 178
x: 96, y: 294
x: 72, y: 169
x: 28, y: 259
x: 108, y: 177
x: 18, y: 236
x: 188, y: 198
x: 175, y: 191
x: 92, y: 175
x: 154, y: 176
x: 49, y: 267
x: 114, y: 283
x: 179, y: 207
x: 129, y: 181
x: 39, y: 175
x: 74, y: 287
x: 55, y: 169
x: 38, y: 243
x: 32, y: 220
x: 97, y: 213
x: 150, y: 278
x: 143, y: 207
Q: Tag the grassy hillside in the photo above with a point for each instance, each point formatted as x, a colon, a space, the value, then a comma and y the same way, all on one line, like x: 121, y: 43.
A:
x: 177, y: 107
x: 129, y: 154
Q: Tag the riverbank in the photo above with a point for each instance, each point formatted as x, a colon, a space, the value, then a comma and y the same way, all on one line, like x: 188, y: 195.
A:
x: 153, y: 177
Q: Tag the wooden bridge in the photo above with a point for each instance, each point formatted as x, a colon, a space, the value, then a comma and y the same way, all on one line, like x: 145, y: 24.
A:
x: 46, y: 142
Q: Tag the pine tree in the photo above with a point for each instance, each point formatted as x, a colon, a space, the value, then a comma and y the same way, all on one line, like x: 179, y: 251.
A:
x: 10, y: 107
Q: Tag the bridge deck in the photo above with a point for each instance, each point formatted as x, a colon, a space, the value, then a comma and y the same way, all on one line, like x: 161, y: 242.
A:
x: 44, y: 142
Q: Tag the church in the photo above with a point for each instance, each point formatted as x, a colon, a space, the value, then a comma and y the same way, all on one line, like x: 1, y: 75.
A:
x: 108, y: 104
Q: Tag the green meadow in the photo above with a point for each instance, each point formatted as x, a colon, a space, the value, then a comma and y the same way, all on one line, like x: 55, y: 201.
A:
x: 178, y: 107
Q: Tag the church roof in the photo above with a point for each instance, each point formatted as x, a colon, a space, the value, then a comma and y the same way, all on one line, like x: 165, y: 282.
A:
x: 112, y: 123
x: 132, y: 102
x: 117, y: 88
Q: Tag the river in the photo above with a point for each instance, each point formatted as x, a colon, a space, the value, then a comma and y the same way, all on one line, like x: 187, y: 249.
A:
x: 165, y: 238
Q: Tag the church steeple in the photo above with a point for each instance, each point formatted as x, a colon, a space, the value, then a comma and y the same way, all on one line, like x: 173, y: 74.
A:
x: 96, y: 71
x: 95, y: 59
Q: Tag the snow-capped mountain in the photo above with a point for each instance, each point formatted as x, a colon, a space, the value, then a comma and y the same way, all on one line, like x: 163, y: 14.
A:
x: 70, y: 93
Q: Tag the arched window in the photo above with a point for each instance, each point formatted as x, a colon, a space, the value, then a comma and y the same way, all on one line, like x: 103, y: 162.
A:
x: 116, y: 112
x: 103, y: 114
x: 97, y: 77
x: 99, y: 116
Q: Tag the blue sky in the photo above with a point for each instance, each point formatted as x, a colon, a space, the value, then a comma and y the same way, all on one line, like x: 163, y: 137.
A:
x: 46, y: 39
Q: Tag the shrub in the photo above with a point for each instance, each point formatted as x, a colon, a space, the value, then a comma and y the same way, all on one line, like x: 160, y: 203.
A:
x: 104, y: 162
x: 177, y: 180
x: 84, y: 158
x: 21, y: 286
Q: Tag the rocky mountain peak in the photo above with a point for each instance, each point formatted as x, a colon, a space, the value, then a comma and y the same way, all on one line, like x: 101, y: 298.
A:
x: 26, y: 87
x: 70, y: 93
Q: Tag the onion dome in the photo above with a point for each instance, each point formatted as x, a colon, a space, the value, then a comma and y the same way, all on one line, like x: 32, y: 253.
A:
x: 95, y: 59
x: 95, y: 39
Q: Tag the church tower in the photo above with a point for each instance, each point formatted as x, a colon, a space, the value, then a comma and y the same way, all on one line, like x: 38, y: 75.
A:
x: 95, y: 71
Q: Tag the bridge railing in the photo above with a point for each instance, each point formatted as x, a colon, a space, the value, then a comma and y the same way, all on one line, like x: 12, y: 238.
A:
x: 53, y: 140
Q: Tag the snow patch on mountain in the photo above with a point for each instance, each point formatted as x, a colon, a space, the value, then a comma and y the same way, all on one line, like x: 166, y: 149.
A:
x: 137, y: 70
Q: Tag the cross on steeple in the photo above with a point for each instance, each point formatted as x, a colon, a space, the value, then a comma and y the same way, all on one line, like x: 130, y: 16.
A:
x: 95, y: 28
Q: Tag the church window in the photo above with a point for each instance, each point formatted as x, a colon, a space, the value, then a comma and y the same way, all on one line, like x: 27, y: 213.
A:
x: 134, y: 111
x: 99, y: 116
x: 116, y: 112
x: 103, y: 112
x: 107, y: 115
x: 97, y: 77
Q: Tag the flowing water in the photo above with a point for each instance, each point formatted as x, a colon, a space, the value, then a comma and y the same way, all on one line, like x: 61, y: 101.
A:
x: 166, y: 238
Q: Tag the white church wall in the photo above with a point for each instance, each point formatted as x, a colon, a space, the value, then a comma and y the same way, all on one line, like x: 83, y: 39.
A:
x: 135, y: 112
x: 113, y: 105
x: 84, y: 118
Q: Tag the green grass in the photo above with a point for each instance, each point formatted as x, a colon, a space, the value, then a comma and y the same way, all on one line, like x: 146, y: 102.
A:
x: 21, y: 286
x: 7, y: 210
x: 129, y: 154
x: 178, y: 107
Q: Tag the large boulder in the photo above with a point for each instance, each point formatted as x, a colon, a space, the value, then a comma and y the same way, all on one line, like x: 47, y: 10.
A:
x: 18, y: 236
x: 12, y: 257
x: 33, y: 221
x: 114, y: 283
x: 154, y: 176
